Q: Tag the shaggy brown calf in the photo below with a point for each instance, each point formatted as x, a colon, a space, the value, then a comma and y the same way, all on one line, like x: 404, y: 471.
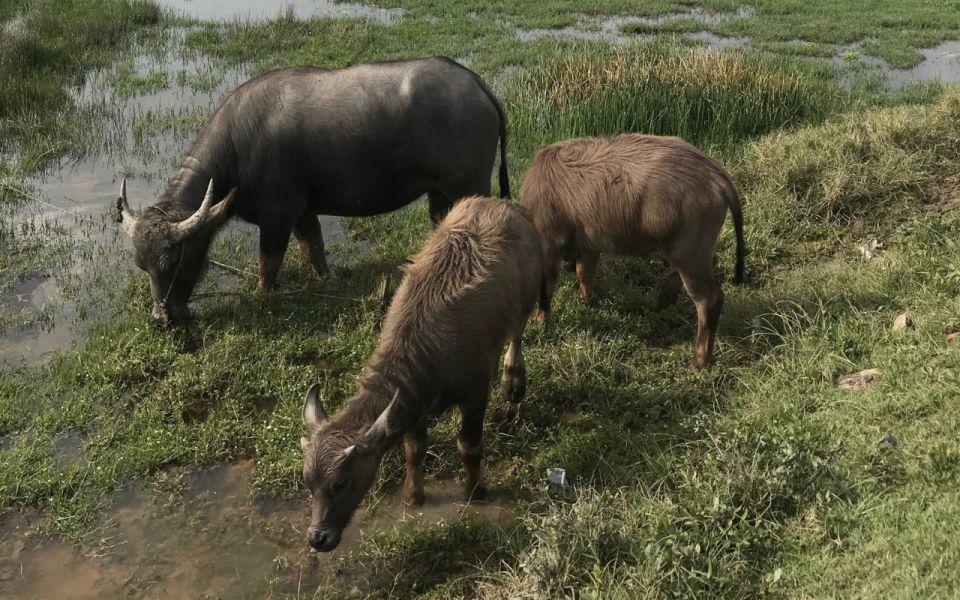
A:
x: 471, y: 288
x: 632, y: 194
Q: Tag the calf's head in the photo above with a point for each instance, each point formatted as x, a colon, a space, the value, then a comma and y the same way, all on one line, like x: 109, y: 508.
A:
x: 339, y: 466
x: 172, y: 250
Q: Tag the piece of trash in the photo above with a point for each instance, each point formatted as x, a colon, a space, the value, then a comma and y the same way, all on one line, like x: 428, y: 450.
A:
x: 867, y: 251
x: 859, y: 380
x: 902, y: 322
x: 557, y: 476
x: 888, y: 442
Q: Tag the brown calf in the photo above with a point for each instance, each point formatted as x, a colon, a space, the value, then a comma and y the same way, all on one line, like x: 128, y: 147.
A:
x: 470, y: 289
x: 632, y: 194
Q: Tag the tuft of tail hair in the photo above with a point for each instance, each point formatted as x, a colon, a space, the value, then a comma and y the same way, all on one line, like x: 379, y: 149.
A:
x: 736, y: 211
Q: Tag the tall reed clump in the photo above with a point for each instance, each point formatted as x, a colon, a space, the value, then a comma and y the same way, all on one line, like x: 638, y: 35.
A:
x: 709, y: 98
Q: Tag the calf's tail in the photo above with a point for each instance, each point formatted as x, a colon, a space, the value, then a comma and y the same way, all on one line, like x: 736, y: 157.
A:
x: 736, y: 211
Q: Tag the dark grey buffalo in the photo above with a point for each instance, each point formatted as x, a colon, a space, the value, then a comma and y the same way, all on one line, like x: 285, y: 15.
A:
x: 301, y: 141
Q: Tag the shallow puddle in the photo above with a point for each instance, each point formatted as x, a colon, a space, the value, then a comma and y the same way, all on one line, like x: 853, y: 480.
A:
x: 202, y: 535
x: 261, y: 10
x: 611, y: 29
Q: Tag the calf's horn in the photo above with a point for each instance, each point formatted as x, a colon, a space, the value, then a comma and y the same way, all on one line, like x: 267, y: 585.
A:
x: 126, y: 218
x: 196, y: 221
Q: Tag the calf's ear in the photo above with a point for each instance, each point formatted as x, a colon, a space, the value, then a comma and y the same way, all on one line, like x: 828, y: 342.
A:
x: 313, y: 414
x: 388, y: 425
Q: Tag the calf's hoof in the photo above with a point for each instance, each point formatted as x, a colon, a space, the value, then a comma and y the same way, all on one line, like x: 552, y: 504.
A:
x: 698, y: 364
x: 514, y: 385
x: 542, y: 317
x: 476, y: 493
x: 414, y: 498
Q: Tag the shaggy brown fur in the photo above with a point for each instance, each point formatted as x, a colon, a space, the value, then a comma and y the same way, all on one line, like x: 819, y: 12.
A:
x: 632, y: 194
x: 470, y: 288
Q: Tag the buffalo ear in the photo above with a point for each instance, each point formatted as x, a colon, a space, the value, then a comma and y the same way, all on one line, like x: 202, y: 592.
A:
x: 387, y: 425
x: 222, y: 210
x: 313, y: 414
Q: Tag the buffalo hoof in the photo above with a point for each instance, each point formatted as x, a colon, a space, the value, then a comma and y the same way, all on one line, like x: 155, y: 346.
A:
x: 698, y: 364
x: 542, y: 317
x: 514, y: 386
x: 477, y: 494
x: 414, y: 498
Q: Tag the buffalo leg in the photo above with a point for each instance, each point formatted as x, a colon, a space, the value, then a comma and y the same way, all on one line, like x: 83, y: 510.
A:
x: 586, y: 271
x: 415, y: 450
x: 551, y: 271
x: 669, y: 290
x: 310, y: 238
x: 470, y: 445
x: 440, y: 205
x: 514, y: 384
x: 274, y: 238
x: 707, y: 295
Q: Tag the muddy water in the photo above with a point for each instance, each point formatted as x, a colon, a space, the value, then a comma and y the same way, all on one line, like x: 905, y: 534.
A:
x: 202, y: 536
x: 940, y: 63
x: 259, y: 10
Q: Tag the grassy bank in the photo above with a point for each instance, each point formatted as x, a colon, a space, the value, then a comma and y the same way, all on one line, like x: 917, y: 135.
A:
x: 758, y: 477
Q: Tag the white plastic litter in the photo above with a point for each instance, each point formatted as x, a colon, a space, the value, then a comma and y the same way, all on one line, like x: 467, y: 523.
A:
x: 557, y: 476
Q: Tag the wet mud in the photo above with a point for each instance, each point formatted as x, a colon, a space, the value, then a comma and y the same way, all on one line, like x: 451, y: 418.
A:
x: 202, y: 535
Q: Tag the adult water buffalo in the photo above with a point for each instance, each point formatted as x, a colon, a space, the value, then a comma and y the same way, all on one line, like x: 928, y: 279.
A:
x: 629, y: 195
x: 301, y: 141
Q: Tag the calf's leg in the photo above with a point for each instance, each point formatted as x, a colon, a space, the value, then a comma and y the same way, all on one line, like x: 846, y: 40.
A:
x: 310, y: 238
x: 669, y: 290
x: 415, y: 450
x: 551, y: 271
x: 470, y: 445
x: 586, y: 271
x: 707, y: 295
x: 514, y: 384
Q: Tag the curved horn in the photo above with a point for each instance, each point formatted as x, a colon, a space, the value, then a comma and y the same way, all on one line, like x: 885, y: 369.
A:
x: 125, y: 215
x: 196, y: 221
x: 313, y: 413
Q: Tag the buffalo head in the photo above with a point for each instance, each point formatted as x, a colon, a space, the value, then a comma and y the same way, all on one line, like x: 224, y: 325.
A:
x: 172, y: 249
x: 339, y: 466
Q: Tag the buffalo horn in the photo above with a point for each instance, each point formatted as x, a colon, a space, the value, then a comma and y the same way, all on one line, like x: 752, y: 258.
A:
x: 196, y: 221
x: 127, y: 220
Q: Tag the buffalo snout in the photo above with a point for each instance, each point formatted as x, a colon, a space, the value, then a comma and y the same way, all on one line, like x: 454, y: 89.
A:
x: 323, y: 540
x: 167, y: 315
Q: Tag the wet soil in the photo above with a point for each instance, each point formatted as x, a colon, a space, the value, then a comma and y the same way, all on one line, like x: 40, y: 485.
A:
x: 202, y: 535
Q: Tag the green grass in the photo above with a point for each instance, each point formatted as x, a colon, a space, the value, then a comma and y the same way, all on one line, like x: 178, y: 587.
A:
x: 45, y: 47
x: 758, y: 477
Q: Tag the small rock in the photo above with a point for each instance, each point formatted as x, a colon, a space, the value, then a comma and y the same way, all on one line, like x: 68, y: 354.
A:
x: 867, y: 251
x: 859, y: 380
x: 902, y: 322
x: 887, y: 443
